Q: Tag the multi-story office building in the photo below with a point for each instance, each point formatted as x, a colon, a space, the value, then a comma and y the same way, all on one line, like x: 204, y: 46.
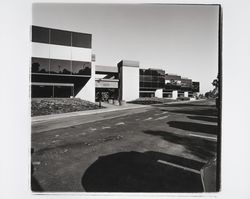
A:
x: 63, y: 66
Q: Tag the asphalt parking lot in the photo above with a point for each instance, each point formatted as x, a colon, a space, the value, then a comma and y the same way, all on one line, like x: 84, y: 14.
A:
x: 160, y: 148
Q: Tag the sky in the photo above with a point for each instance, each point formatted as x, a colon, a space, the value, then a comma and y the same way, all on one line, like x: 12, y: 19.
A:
x: 181, y: 39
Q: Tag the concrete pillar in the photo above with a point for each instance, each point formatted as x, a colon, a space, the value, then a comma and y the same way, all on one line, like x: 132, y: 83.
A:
x: 186, y: 94
x: 128, y: 80
x: 174, y: 94
x: 159, y: 93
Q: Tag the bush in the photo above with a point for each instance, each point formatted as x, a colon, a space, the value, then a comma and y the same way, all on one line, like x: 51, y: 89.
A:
x: 183, y: 98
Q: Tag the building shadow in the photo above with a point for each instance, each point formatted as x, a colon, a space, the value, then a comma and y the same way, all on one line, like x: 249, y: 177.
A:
x: 142, y: 172
x: 204, y: 118
x: 194, y: 127
x: 184, y: 105
x: 204, y: 149
x: 201, y: 112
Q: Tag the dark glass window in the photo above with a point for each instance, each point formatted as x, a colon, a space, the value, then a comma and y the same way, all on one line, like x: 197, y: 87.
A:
x: 147, y: 72
x: 60, y: 66
x: 60, y: 37
x: 81, y: 68
x: 63, y: 91
x: 154, y: 84
x: 141, y: 84
x: 81, y: 40
x: 40, y: 65
x: 147, y: 78
x: 147, y: 84
x: 40, y: 34
x: 41, y: 91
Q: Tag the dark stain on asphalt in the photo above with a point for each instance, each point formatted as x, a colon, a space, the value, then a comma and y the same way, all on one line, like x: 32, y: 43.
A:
x: 141, y: 172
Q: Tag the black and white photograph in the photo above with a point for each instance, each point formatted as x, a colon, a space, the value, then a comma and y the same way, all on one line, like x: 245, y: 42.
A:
x: 125, y: 98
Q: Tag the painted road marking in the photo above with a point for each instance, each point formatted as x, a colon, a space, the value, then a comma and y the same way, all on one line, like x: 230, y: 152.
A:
x: 119, y: 123
x: 150, y: 118
x: 162, y: 118
x: 179, y: 166
x: 203, y: 136
x: 93, y: 129
x: 161, y: 113
x: 137, y: 119
x: 106, y: 127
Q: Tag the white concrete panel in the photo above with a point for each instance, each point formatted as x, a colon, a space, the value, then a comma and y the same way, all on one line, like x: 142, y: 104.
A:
x: 159, y: 93
x: 88, y: 91
x: 81, y: 54
x: 186, y: 94
x: 130, y: 83
x: 174, y: 94
x: 40, y: 50
x: 60, y: 52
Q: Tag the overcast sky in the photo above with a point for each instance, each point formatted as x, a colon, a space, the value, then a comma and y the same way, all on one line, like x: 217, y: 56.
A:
x: 181, y: 39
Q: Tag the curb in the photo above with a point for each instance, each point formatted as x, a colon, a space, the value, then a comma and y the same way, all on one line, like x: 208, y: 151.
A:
x: 44, y: 118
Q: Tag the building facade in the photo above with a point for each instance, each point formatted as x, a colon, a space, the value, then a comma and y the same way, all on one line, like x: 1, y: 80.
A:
x: 62, y: 65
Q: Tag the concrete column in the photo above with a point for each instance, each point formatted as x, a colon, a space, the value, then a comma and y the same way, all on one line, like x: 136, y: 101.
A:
x: 186, y: 94
x: 174, y: 94
x: 159, y: 93
x: 128, y: 80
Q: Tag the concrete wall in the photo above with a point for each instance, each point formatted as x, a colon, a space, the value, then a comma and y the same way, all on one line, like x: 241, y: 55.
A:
x: 61, y: 52
x: 159, y: 93
x: 129, y: 80
x: 174, y: 94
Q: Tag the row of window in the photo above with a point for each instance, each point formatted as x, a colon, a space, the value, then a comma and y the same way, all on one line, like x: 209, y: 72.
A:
x: 152, y: 85
x: 60, y: 37
x: 152, y: 72
x: 55, y: 66
x: 150, y: 78
x: 51, y: 91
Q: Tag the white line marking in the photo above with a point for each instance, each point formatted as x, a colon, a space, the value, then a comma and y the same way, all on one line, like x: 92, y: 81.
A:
x: 119, y: 123
x: 106, y: 127
x: 150, y: 118
x: 179, y: 166
x: 203, y: 136
x: 137, y: 119
x: 93, y: 129
x: 161, y: 118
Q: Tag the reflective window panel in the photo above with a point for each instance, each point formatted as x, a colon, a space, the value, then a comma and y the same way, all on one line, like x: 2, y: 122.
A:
x: 60, y: 37
x: 39, y: 65
x: 40, y: 34
x: 81, y: 40
x: 60, y: 66
x: 81, y: 68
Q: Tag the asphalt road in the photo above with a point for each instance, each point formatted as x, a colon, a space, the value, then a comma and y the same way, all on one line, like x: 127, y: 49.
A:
x: 157, y: 149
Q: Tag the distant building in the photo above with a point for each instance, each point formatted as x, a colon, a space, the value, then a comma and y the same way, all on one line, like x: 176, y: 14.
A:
x: 62, y: 65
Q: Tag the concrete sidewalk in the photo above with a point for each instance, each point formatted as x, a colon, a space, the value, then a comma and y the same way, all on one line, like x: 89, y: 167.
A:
x: 108, y: 108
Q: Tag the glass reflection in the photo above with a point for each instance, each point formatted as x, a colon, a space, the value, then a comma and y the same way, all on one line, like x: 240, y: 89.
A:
x: 81, y: 68
x: 40, y: 65
x: 60, y: 66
